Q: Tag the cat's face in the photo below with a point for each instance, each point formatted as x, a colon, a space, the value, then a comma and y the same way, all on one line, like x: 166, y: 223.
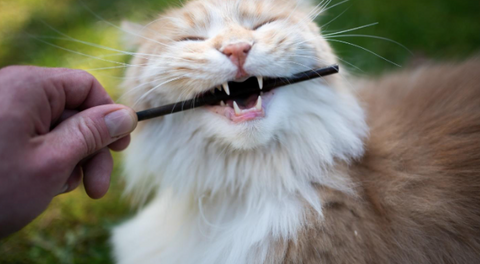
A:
x: 208, y: 43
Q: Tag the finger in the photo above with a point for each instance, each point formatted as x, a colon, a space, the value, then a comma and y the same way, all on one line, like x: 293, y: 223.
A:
x: 120, y: 145
x: 70, y: 89
x: 64, y: 116
x: 117, y: 146
x: 87, y: 132
x: 97, y: 173
x: 79, y: 88
x: 50, y: 91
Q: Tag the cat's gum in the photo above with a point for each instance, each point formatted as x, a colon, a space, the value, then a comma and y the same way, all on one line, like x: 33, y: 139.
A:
x: 249, y: 115
x: 246, y: 115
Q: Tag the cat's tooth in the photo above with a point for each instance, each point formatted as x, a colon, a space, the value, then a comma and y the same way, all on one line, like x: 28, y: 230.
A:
x: 259, y: 104
x: 219, y: 88
x: 226, y: 88
x: 260, y: 82
x: 237, y: 109
x: 222, y: 103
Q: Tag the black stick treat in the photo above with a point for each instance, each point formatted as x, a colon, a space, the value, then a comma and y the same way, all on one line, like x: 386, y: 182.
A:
x: 246, y: 88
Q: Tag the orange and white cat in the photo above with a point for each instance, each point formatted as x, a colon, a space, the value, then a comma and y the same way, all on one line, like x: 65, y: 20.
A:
x: 326, y: 172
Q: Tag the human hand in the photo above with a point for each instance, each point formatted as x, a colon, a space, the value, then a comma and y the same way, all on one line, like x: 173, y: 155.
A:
x: 56, y: 125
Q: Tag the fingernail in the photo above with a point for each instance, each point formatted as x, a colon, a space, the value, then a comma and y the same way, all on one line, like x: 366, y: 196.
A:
x: 120, y: 122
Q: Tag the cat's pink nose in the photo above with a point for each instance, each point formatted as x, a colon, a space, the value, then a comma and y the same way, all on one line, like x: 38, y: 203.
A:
x: 238, y: 53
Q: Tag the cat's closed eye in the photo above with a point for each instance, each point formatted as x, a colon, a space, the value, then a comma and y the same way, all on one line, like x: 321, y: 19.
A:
x: 263, y: 24
x: 192, y: 38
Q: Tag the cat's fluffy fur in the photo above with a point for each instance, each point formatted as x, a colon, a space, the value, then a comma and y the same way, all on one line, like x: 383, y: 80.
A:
x: 304, y: 184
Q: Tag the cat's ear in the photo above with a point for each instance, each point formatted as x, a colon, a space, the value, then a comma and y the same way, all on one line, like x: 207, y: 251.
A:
x: 132, y: 35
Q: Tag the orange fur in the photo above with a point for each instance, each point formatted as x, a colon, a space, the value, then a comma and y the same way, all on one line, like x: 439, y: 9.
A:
x: 416, y: 195
x: 176, y: 24
x: 418, y: 184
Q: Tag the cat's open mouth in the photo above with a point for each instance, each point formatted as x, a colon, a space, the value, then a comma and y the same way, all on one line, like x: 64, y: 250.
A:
x: 245, y: 107
x: 241, y: 96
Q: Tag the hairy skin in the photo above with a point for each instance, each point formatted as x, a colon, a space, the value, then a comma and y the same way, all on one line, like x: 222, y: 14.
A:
x: 381, y: 173
x: 418, y: 184
x: 57, y: 126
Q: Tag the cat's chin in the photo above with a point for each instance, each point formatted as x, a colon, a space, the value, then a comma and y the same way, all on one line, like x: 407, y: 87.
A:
x: 251, y: 135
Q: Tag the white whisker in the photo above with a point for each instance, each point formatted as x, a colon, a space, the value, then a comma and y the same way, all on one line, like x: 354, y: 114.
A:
x: 335, y: 5
x: 324, y: 7
x: 352, y: 29
x: 329, y: 22
x: 319, y: 9
x: 374, y: 37
x: 119, y: 28
x: 154, y: 88
x: 349, y: 63
x: 102, y: 47
x: 77, y: 52
x: 131, y: 90
x: 365, y: 49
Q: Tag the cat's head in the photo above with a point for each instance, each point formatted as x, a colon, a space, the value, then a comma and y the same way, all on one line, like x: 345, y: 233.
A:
x: 207, y: 43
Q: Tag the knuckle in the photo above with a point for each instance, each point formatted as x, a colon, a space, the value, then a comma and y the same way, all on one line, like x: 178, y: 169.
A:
x: 90, y: 81
x: 84, y: 75
x: 90, y: 135
x: 80, y: 75
x: 93, y: 83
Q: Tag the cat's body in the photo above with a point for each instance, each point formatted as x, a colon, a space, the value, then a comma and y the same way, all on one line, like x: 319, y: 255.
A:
x: 418, y: 184
x: 308, y: 182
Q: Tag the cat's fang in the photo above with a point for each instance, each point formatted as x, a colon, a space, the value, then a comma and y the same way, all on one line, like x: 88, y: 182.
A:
x: 236, y: 108
x: 226, y: 88
x: 260, y: 82
x: 258, y: 106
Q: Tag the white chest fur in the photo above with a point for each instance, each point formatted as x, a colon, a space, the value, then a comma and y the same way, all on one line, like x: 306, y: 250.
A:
x: 206, y: 231
x: 219, y: 204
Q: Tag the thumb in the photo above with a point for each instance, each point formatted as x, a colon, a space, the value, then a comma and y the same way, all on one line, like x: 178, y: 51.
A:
x: 91, y: 130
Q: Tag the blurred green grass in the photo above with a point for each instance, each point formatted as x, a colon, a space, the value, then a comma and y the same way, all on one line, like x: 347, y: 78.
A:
x: 75, y: 229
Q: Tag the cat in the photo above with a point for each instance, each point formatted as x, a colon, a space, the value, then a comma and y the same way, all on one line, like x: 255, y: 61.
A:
x: 332, y: 170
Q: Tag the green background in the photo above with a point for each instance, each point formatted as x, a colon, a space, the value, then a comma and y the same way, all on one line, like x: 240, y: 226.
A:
x: 75, y: 229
